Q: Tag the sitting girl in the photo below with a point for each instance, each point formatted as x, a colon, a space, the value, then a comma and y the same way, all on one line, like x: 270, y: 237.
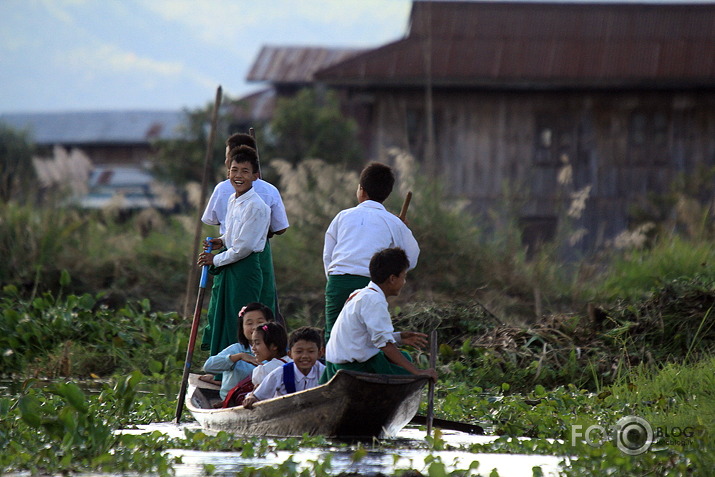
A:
x: 269, y: 343
x: 236, y: 361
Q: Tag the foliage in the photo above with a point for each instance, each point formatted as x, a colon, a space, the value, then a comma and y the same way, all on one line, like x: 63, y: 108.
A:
x: 17, y: 177
x: 125, y: 259
x: 79, y: 336
x: 310, y: 125
x: 634, y: 273
x: 59, y: 429
x: 181, y: 161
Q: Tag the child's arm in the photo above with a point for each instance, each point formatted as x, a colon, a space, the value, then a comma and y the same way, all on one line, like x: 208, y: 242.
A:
x: 395, y: 356
x: 413, y: 338
x: 229, y: 359
x: 329, y: 245
x: 211, y: 213
x: 266, y: 390
x: 279, y: 217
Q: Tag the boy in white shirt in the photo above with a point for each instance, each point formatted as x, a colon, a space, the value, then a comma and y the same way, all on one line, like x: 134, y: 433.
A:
x: 356, y: 234
x: 238, y: 278
x: 306, y: 346
x: 215, y: 214
x: 363, y: 337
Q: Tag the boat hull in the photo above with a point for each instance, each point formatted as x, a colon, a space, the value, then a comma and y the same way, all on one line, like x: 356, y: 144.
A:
x: 352, y: 405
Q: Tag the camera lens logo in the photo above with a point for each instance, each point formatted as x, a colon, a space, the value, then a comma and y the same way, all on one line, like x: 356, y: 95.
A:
x: 633, y: 435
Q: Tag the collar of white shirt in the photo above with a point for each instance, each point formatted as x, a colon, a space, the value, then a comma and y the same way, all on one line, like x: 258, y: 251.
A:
x: 371, y: 204
x: 245, y: 196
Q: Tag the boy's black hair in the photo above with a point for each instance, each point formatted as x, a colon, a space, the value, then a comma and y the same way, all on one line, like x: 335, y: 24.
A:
x: 240, y: 139
x: 306, y: 333
x: 267, y: 313
x: 274, y: 334
x: 243, y: 154
x: 387, y: 262
x: 377, y: 180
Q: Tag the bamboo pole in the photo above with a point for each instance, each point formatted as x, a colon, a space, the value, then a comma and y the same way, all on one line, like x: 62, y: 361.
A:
x: 191, y: 279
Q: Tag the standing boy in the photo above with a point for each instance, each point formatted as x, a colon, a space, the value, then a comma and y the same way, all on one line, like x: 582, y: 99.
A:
x: 238, y: 278
x: 363, y: 337
x: 306, y: 346
x: 215, y: 214
x: 356, y: 234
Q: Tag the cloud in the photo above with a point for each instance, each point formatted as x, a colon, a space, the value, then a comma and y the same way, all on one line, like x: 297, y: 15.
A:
x: 231, y: 24
x: 110, y: 59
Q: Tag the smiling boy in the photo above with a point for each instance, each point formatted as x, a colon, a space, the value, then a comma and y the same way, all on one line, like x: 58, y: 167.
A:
x: 238, y: 279
x: 306, y: 346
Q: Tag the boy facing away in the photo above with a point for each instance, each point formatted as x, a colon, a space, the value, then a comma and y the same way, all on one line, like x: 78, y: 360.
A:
x: 363, y: 337
x: 306, y: 346
x: 356, y: 234
x: 238, y: 278
x: 215, y: 214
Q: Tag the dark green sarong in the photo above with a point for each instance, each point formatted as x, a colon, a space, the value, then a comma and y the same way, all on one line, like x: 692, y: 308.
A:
x: 337, y: 291
x: 234, y: 286
x: 268, y: 291
x: 378, y: 364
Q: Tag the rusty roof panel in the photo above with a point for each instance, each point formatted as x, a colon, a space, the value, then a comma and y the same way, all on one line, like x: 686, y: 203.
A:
x: 279, y: 64
x: 528, y: 43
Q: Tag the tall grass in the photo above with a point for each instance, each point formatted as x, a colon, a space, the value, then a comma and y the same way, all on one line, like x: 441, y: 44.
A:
x: 633, y: 273
x: 142, y: 257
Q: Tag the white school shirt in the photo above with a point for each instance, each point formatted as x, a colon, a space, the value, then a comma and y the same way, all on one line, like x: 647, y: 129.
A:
x: 247, y: 221
x: 362, y: 328
x: 215, y: 213
x: 272, y: 386
x: 261, y: 371
x: 356, y: 234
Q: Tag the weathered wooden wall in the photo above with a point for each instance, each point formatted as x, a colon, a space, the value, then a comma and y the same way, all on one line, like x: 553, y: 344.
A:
x: 492, y: 147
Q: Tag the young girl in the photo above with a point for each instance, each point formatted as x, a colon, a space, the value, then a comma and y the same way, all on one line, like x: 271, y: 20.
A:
x: 236, y: 361
x: 269, y: 345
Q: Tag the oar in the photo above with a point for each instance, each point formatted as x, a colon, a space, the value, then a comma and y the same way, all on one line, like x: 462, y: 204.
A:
x: 430, y: 393
x: 192, y: 336
x: 451, y: 425
x: 405, y: 206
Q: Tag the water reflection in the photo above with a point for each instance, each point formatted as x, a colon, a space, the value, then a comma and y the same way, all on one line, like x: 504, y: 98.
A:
x: 408, y: 456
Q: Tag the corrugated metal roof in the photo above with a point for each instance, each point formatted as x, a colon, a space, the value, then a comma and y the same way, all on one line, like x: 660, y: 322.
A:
x: 532, y: 44
x: 256, y: 106
x: 98, y: 127
x: 282, y: 64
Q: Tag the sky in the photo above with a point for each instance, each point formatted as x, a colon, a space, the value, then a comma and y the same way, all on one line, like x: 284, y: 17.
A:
x: 75, y: 55
x: 79, y: 55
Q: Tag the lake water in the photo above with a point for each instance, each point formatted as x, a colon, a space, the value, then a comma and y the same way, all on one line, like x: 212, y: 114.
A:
x: 409, y: 456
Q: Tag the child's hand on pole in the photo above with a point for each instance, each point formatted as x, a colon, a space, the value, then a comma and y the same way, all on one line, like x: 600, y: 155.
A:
x: 205, y: 258
x: 214, y: 243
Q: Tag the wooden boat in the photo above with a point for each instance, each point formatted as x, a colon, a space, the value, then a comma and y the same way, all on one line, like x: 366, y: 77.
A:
x: 353, y: 405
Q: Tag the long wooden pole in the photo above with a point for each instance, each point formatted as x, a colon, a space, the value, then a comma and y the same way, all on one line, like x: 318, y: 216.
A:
x: 430, y: 392
x: 405, y: 206
x: 192, y: 337
x: 191, y: 279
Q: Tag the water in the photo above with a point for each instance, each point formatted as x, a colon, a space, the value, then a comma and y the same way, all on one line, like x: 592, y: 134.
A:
x: 386, y: 461
x: 407, y: 452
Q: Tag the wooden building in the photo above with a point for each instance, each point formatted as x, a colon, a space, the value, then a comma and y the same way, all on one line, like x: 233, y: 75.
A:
x: 537, y: 102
